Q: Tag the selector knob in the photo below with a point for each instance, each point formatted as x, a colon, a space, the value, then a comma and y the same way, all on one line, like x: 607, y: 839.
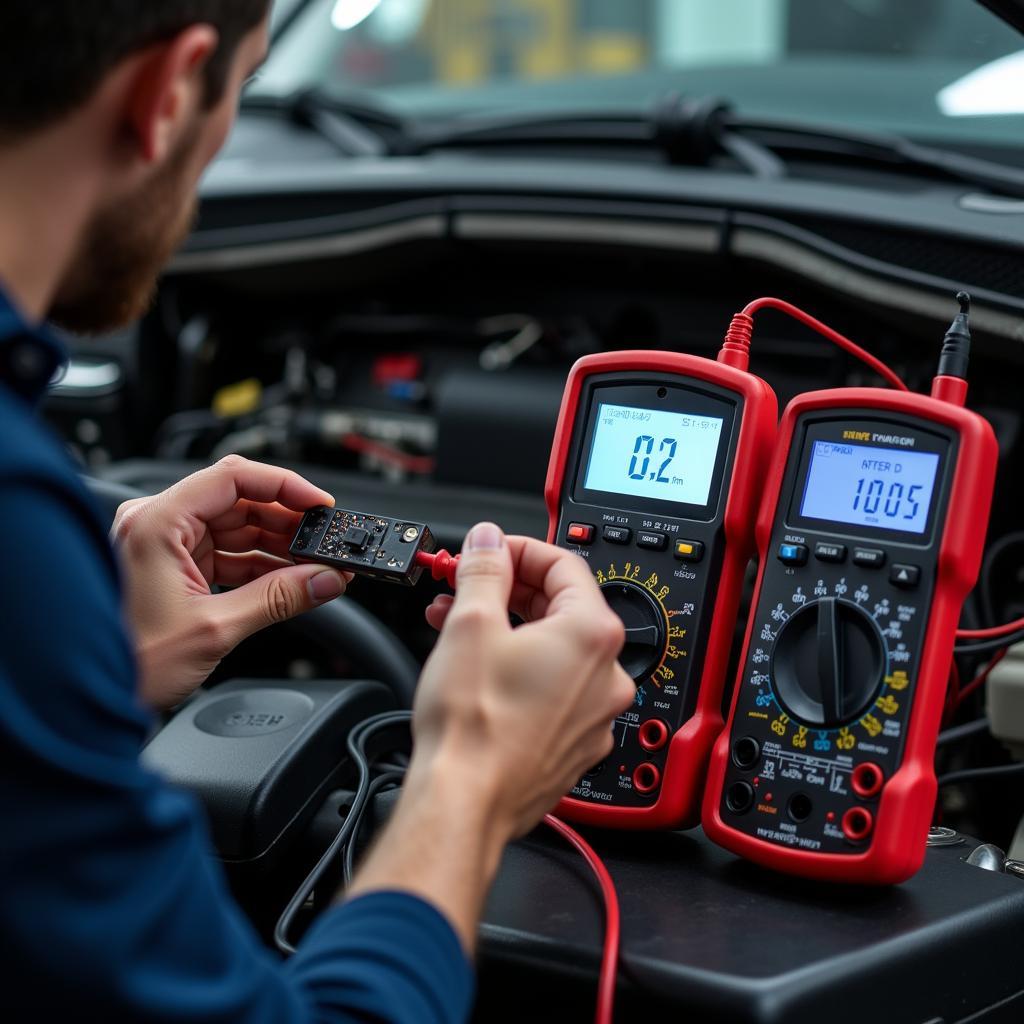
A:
x: 828, y: 662
x: 644, y: 619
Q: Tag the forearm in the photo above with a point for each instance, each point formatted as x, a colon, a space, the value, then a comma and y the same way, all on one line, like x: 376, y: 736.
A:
x: 443, y: 844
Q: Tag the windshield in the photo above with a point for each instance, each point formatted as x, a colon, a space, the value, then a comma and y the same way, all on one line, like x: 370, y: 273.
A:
x: 946, y: 69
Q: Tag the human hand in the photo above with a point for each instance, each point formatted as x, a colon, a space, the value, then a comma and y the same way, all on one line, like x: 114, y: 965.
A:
x: 520, y: 713
x: 228, y: 525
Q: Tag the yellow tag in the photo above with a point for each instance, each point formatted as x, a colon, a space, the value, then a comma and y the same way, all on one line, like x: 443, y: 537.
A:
x: 238, y: 399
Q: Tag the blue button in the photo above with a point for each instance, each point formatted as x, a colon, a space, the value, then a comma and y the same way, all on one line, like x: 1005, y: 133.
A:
x: 793, y: 554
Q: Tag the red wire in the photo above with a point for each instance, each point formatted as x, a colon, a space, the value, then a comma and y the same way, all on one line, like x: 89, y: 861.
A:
x: 386, y: 453
x: 979, y: 679
x: 952, y: 693
x: 610, y: 955
x: 743, y: 325
x: 991, y: 631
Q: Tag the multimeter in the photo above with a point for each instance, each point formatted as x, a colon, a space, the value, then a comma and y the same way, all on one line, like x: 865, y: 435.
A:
x: 870, y: 537
x: 654, y: 477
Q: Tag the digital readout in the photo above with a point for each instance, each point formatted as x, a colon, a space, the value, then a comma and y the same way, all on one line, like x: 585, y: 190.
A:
x: 874, y: 487
x: 651, y: 453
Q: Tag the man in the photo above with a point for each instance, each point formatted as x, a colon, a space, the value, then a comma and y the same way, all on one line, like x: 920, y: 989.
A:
x: 109, y: 901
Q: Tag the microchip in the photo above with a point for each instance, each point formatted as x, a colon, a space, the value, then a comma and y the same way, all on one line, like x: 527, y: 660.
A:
x: 356, y: 537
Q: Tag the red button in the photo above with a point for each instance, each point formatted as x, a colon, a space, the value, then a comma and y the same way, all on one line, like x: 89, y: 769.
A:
x: 580, y: 533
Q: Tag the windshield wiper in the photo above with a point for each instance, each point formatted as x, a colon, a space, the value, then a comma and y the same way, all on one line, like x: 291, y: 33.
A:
x: 689, y: 131
x: 354, y: 126
x: 693, y: 131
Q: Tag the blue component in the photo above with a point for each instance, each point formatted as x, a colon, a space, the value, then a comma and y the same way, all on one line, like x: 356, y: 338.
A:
x: 793, y: 554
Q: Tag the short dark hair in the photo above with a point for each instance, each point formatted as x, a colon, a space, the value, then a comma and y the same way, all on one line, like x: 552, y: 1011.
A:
x: 55, y: 53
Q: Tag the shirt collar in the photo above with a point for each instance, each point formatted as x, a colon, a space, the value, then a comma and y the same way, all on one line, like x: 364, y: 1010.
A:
x: 30, y: 355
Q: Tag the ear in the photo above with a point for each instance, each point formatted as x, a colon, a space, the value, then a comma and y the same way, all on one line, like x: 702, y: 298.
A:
x: 167, y: 88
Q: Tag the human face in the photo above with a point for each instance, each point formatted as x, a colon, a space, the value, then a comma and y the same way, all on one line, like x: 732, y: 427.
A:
x: 126, y: 243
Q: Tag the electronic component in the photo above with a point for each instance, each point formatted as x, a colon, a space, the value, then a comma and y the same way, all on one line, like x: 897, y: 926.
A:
x: 870, y: 537
x: 654, y: 477
x: 395, y: 550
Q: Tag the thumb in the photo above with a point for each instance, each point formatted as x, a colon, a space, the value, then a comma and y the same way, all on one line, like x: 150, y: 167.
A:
x: 277, y: 596
x: 484, y: 577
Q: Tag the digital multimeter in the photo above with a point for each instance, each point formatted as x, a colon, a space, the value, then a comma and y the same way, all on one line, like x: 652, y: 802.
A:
x: 654, y: 476
x: 870, y: 537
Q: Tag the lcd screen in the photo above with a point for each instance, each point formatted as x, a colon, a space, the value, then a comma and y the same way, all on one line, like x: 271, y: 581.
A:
x: 872, y: 487
x: 653, y: 453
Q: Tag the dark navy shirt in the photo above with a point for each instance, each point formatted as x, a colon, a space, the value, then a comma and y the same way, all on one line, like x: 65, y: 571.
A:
x: 112, y: 906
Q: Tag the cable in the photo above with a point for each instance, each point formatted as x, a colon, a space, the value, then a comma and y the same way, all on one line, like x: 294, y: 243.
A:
x: 610, y: 953
x: 379, y: 783
x: 357, y: 740
x: 421, y: 464
x: 962, y: 732
x: 973, y: 774
x: 984, y: 646
x: 979, y: 680
x: 1016, y: 626
x: 344, y: 843
x: 736, y: 348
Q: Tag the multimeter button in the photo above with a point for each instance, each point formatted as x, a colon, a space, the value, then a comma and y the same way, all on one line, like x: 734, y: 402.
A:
x: 580, y: 533
x: 688, y: 550
x: 793, y: 554
x: 739, y: 797
x: 830, y: 552
x: 653, y: 734
x: 617, y: 534
x: 857, y: 823
x: 905, y: 575
x: 871, y: 558
x: 657, y: 541
x: 646, y: 777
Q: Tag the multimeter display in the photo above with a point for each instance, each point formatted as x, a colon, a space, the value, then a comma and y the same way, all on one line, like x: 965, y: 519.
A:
x: 869, y: 487
x: 653, y: 453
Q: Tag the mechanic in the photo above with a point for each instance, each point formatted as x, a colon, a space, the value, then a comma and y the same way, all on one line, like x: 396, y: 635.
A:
x: 111, y: 901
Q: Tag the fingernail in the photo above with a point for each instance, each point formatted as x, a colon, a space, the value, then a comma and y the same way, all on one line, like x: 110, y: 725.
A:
x: 325, y: 586
x: 484, y: 537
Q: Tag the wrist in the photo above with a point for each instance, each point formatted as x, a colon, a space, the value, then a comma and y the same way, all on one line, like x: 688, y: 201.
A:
x: 466, y: 794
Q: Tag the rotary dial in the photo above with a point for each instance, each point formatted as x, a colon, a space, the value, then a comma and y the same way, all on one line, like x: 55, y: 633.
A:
x: 829, y: 669
x: 646, y: 608
x: 828, y: 662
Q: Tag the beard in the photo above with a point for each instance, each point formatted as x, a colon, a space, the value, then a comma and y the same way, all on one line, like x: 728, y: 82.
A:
x: 112, y: 278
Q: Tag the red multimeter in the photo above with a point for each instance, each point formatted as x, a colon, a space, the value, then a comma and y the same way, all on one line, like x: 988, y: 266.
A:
x: 870, y: 537
x: 654, y: 477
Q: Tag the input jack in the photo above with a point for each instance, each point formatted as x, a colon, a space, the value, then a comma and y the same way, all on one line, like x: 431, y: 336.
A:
x: 646, y: 777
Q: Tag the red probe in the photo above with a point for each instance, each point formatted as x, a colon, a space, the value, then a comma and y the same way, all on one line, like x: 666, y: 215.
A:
x: 442, y: 564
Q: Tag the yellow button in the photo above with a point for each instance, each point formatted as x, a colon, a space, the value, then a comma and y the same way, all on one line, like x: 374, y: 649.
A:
x: 684, y: 547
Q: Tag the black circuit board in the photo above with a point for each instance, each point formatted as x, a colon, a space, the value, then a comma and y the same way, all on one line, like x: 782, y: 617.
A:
x: 370, y: 545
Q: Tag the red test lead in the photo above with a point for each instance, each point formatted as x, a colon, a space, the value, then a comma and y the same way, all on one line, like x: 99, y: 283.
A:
x: 442, y: 565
